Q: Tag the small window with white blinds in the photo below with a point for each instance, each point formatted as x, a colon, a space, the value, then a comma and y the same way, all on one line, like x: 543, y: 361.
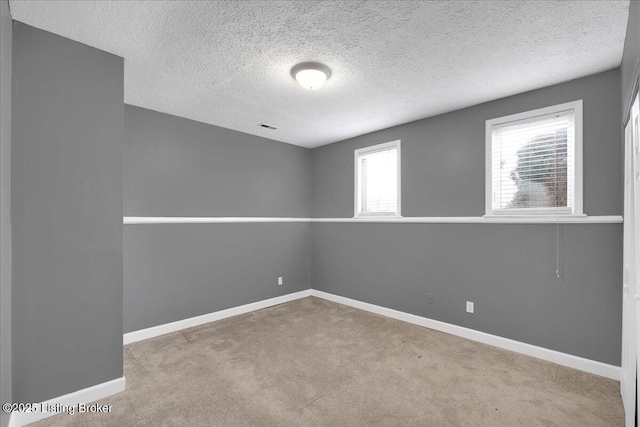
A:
x: 534, y: 162
x: 377, y: 180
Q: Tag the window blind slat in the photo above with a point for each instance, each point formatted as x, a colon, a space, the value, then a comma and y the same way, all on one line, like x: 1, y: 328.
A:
x: 532, y: 163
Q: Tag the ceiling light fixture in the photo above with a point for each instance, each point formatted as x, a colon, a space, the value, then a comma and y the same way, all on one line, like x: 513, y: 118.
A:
x: 311, y: 75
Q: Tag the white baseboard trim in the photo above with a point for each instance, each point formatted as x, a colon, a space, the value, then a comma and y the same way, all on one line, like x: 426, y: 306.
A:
x: 167, y: 328
x: 564, y: 359
x: 86, y: 395
x: 100, y: 391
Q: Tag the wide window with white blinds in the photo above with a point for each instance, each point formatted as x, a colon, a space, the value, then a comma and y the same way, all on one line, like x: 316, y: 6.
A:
x: 377, y: 180
x: 534, y: 162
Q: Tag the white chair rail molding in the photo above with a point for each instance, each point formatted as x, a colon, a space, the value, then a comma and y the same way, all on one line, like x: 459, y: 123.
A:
x: 520, y: 219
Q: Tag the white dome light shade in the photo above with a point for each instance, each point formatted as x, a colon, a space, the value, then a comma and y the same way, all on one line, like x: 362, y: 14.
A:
x: 311, y: 79
x: 311, y: 75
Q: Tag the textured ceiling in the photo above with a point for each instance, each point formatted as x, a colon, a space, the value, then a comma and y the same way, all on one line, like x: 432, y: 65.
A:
x: 227, y: 63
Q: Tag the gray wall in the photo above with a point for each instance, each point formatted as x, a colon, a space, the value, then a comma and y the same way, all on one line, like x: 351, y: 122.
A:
x: 631, y: 51
x: 5, y: 199
x: 177, y: 271
x: 507, y: 270
x: 443, y: 156
x: 179, y: 167
x: 67, y: 142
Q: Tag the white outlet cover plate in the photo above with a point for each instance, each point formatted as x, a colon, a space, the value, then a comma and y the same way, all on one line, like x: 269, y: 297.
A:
x: 469, y: 307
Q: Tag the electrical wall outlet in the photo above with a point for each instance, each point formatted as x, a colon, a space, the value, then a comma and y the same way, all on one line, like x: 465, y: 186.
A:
x: 469, y: 307
x: 280, y: 281
x: 429, y: 299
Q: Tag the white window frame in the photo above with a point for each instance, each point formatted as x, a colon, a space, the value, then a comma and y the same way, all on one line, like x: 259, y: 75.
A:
x: 577, y: 210
x: 356, y: 169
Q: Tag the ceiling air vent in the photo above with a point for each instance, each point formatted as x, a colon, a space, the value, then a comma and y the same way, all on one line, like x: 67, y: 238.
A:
x: 266, y: 126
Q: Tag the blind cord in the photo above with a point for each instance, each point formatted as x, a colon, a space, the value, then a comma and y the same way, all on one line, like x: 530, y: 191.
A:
x: 558, y: 242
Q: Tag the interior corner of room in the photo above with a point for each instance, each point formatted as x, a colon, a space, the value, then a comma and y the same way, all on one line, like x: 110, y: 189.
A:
x: 207, y: 185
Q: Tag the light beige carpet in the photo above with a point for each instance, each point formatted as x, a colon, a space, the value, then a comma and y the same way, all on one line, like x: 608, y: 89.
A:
x: 316, y: 363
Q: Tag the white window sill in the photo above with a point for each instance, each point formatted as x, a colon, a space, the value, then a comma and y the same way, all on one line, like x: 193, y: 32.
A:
x: 533, y: 216
x: 551, y: 219
x: 382, y: 217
